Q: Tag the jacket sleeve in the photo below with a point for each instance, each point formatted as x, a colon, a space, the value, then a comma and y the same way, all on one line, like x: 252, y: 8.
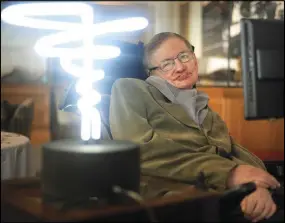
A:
x: 128, y: 121
x: 247, y: 157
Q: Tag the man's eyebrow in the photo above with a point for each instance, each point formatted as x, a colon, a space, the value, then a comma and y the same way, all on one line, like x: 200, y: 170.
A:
x: 183, y: 51
x: 166, y: 59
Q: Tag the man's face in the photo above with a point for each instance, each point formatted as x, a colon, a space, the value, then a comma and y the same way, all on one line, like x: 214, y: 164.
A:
x: 183, y: 75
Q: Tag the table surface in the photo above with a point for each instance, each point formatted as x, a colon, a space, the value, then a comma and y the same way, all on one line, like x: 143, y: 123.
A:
x: 25, y: 195
x: 12, y: 140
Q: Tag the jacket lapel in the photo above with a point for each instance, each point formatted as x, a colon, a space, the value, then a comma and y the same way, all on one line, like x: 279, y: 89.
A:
x: 176, y: 111
x: 208, y: 121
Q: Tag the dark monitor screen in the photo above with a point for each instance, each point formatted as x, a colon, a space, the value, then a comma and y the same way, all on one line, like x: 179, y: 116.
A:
x: 262, y: 52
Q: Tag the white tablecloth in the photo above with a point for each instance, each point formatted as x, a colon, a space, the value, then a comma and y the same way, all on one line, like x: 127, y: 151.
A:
x: 14, y: 155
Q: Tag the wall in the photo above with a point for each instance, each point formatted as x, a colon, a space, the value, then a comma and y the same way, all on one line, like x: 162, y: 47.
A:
x: 166, y: 17
x: 195, y: 27
x: 23, y: 58
x: 265, y: 138
x: 17, y: 51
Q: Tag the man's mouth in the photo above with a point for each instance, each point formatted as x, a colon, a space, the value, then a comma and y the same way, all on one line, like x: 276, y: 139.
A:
x: 183, y: 76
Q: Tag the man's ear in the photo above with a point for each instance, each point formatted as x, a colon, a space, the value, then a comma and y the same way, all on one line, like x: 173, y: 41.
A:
x: 195, y: 60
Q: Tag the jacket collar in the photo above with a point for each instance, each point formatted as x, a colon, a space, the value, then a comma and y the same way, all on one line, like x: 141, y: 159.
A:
x: 177, y: 111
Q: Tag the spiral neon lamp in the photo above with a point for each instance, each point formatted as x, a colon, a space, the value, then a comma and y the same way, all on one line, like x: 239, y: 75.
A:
x: 95, y: 167
x: 86, y: 31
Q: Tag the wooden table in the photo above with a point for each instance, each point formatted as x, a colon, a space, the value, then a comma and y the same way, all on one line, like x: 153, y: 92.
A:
x: 21, y: 201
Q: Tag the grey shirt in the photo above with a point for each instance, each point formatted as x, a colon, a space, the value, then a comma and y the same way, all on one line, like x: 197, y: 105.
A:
x: 194, y: 102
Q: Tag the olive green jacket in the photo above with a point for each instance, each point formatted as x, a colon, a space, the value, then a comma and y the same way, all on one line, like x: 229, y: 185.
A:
x: 172, y: 143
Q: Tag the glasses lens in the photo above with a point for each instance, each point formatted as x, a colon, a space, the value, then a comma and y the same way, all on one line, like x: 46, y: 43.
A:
x: 167, y: 65
x: 184, y: 57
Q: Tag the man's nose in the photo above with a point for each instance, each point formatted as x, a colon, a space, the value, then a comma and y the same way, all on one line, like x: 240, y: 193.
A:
x: 179, y: 66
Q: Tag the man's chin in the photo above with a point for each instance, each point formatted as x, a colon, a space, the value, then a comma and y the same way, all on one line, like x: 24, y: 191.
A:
x: 184, y: 84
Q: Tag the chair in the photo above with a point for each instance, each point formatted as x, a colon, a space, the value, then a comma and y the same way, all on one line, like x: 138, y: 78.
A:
x: 17, y: 118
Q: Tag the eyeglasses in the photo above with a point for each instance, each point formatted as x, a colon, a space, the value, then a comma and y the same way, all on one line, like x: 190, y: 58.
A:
x: 169, y: 64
